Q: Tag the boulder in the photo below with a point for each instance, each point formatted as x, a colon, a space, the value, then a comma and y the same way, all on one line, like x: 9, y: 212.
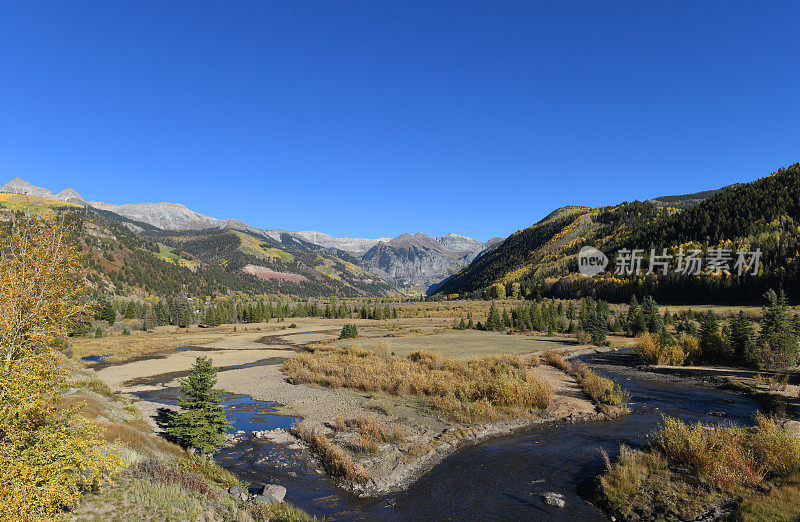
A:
x: 265, y: 499
x: 275, y: 491
x: 237, y: 492
x: 554, y: 499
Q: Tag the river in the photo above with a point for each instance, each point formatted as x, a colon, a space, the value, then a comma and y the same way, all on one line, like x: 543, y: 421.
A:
x: 500, y: 479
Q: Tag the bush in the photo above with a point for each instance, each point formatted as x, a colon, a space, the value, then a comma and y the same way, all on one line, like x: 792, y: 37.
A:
x: 624, y: 478
x: 159, y: 471
x: 209, y: 469
x: 554, y: 358
x: 282, y: 512
x: 95, y: 384
x: 654, y: 349
x: 600, y: 389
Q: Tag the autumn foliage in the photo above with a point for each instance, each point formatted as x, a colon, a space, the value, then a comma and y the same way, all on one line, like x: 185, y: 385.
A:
x: 48, y: 456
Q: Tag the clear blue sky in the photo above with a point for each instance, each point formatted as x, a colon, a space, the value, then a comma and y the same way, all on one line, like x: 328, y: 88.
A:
x: 372, y: 119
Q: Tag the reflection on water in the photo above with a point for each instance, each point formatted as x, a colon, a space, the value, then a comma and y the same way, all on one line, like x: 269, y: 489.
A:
x: 500, y: 479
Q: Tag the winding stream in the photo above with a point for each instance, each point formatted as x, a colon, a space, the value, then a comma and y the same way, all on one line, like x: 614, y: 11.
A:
x: 502, y: 478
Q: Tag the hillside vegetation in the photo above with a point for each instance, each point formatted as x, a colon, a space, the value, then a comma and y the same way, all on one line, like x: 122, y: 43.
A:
x: 541, y: 259
x: 126, y: 257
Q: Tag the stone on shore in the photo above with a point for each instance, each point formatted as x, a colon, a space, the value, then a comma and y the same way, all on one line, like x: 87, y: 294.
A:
x: 274, y: 490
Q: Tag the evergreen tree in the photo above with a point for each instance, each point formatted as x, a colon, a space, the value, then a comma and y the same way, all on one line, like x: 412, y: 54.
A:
x: 636, y: 321
x: 597, y: 327
x: 712, y: 344
x: 201, y: 421
x: 106, y: 312
x: 349, y: 331
x: 652, y: 319
x: 494, y: 322
x: 741, y: 340
x: 778, y: 340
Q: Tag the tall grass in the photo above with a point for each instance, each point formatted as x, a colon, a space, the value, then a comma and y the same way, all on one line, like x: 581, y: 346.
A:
x: 729, y: 456
x: 689, y: 465
x: 159, y: 471
x: 554, y: 358
x: 486, y: 388
x: 600, y: 389
x: 372, y: 428
x: 336, y: 462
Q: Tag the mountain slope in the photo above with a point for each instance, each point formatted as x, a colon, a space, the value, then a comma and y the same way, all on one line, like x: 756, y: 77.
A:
x: 762, y: 214
x: 127, y: 257
x: 340, y: 259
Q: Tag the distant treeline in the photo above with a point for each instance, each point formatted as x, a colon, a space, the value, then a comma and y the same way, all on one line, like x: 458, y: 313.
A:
x: 183, y: 311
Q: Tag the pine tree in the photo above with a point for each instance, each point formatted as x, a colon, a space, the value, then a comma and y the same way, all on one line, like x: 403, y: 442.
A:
x: 349, y: 331
x: 636, y: 321
x: 597, y: 327
x: 201, y: 422
x: 778, y: 340
x: 741, y: 340
x: 494, y: 322
x: 712, y: 344
x: 106, y: 312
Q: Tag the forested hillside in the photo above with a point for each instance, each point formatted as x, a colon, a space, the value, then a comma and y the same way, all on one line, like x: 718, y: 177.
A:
x: 126, y: 257
x: 541, y: 260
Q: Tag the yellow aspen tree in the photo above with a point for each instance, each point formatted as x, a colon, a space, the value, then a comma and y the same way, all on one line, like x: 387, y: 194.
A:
x: 48, y: 455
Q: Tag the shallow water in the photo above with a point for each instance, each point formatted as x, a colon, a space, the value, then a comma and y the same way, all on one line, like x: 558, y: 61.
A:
x: 95, y: 358
x: 500, y: 479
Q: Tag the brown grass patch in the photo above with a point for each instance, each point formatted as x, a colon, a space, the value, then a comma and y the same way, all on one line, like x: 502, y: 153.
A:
x: 335, y: 461
x: 601, y: 390
x: 487, y: 388
x: 691, y: 467
x: 729, y: 456
x: 554, y: 358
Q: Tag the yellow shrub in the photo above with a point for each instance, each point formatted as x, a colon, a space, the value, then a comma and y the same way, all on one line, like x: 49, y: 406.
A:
x: 654, y: 350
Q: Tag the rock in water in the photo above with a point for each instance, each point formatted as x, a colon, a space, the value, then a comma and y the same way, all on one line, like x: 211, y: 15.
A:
x: 554, y: 499
x: 275, y: 491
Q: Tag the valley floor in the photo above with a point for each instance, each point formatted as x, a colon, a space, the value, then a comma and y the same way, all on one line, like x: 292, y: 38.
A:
x: 249, y: 363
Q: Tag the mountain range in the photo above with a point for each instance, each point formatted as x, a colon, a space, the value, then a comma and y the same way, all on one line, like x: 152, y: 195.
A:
x: 414, y: 261
x: 167, y: 247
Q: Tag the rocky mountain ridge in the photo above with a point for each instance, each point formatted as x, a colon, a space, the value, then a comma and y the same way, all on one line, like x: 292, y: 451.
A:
x: 409, y: 259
